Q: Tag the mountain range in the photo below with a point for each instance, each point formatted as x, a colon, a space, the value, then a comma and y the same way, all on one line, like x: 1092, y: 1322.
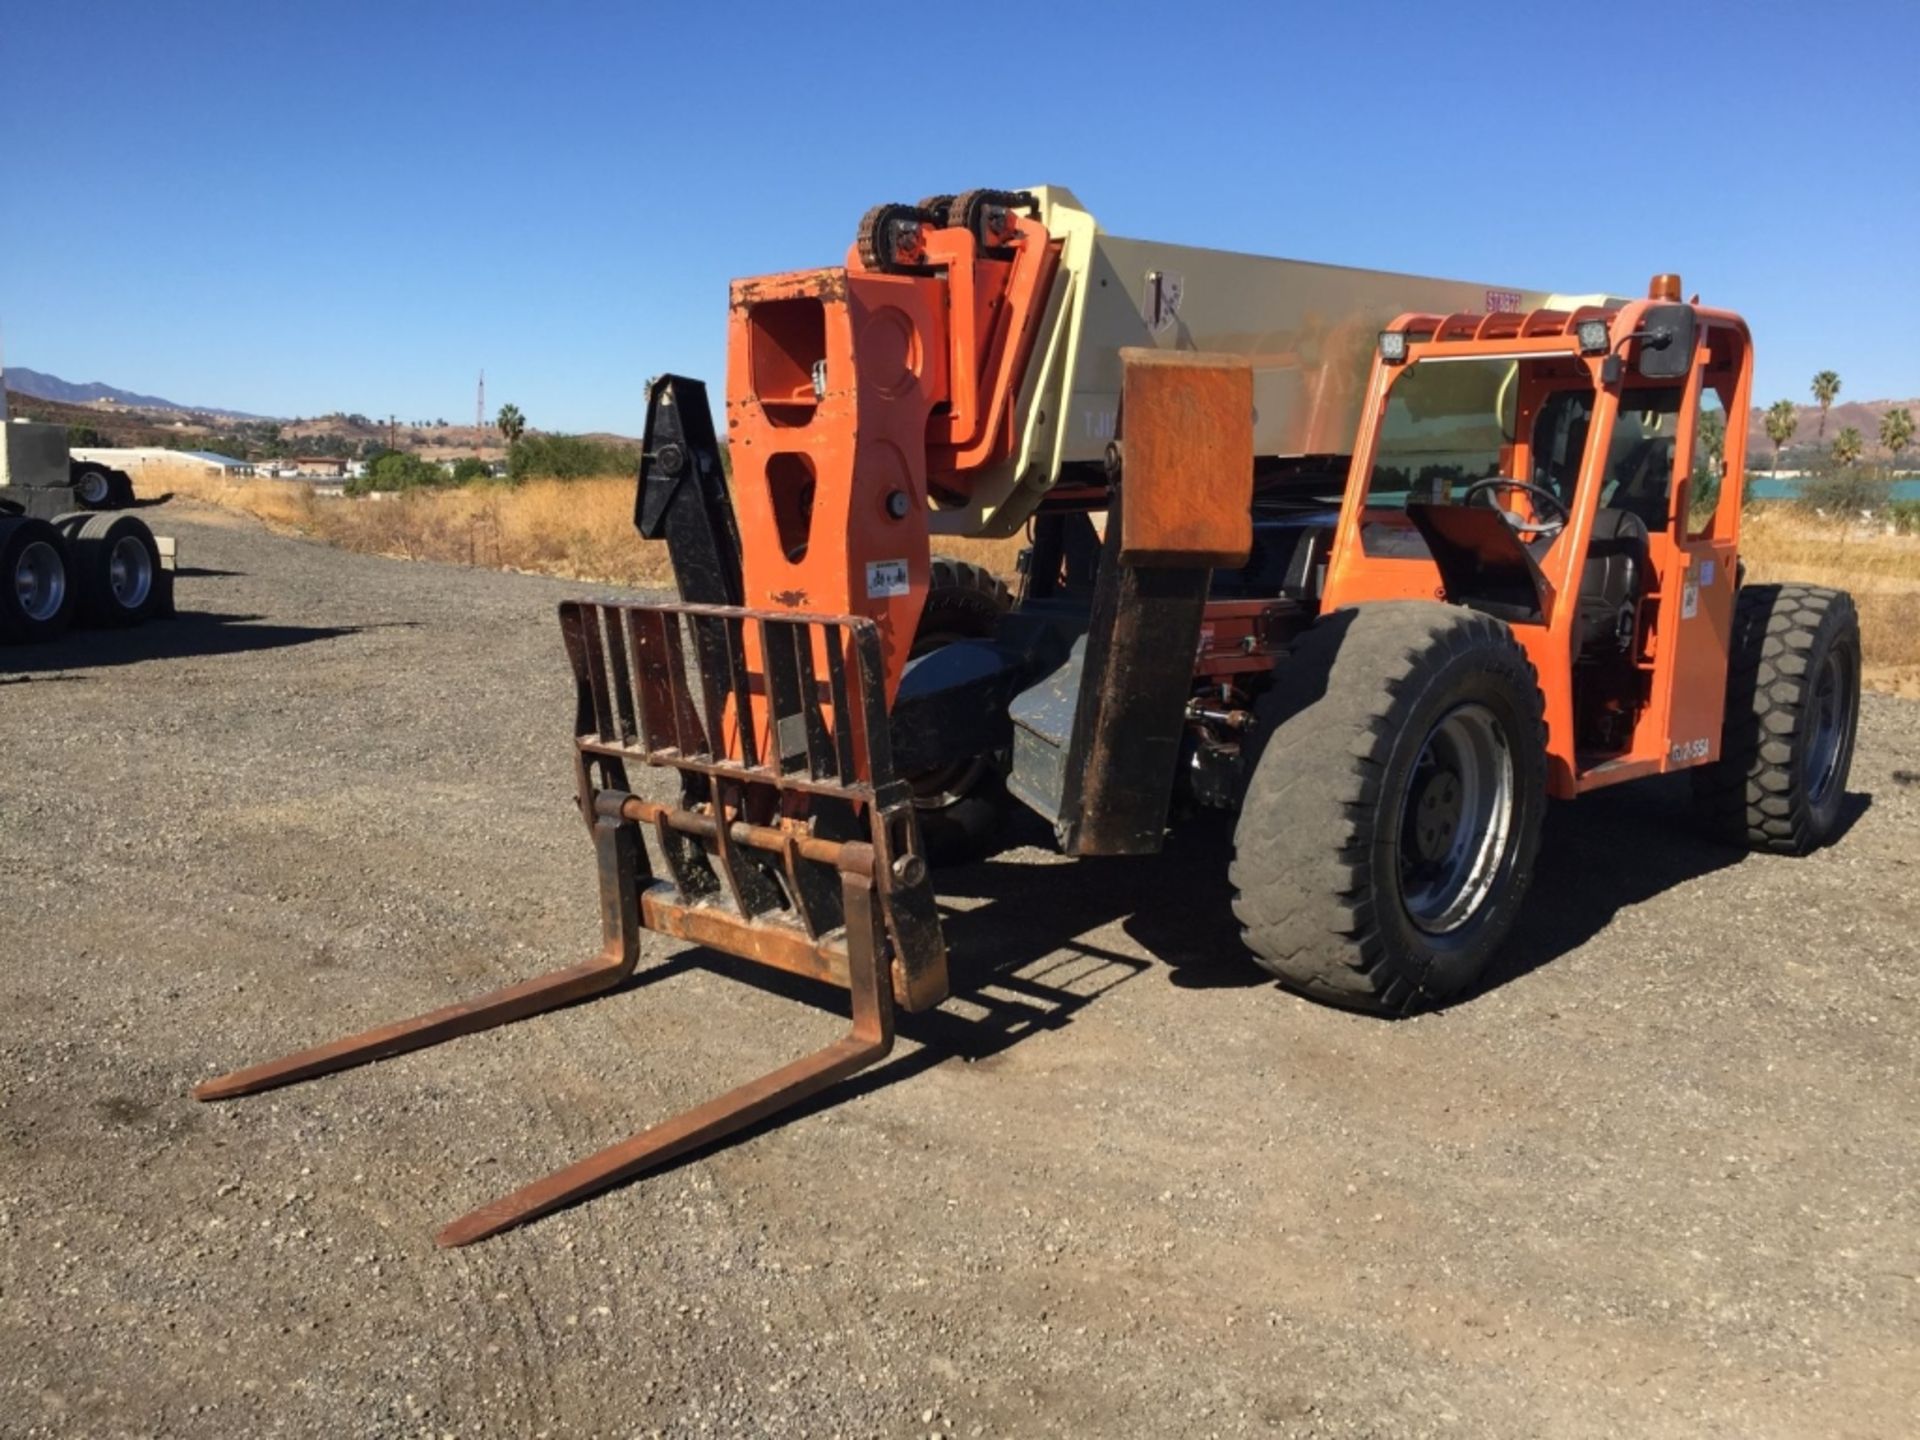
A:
x: 43, y: 386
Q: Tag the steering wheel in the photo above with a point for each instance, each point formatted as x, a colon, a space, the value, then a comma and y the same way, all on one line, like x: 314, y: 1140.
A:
x: 1541, y: 497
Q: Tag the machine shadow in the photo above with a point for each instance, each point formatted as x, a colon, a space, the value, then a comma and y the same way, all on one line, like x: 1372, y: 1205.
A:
x: 1020, y: 963
x: 1616, y: 849
x: 191, y: 633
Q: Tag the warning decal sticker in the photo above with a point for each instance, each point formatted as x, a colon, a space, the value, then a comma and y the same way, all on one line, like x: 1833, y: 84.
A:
x: 886, y: 579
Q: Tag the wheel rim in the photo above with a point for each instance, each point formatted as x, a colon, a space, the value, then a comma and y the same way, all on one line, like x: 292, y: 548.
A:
x: 130, y: 573
x: 1455, y: 818
x: 93, y: 487
x: 1830, y: 714
x: 40, y: 581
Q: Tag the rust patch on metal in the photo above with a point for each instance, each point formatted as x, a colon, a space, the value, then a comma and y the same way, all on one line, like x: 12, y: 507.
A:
x: 828, y: 284
x: 1186, y: 423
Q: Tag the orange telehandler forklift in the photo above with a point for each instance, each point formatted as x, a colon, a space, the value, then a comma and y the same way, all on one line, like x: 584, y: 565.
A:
x: 1379, y: 562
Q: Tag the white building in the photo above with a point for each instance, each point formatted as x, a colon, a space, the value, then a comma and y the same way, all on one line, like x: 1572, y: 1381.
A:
x: 134, y: 459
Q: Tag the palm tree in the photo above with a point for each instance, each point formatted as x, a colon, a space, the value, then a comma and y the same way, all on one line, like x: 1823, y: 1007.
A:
x: 1783, y: 418
x: 1826, y: 386
x: 511, y: 422
x: 1896, y: 433
x: 1848, y: 446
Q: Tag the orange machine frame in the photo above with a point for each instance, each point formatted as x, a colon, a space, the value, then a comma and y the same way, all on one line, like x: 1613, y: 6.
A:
x: 1686, y: 620
x: 857, y: 396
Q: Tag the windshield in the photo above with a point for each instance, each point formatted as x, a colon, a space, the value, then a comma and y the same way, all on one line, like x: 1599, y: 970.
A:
x: 1441, y: 430
x: 1450, y: 423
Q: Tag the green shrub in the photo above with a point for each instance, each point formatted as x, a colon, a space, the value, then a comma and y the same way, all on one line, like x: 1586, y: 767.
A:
x: 1847, y: 490
x: 1905, y: 515
x: 568, y: 457
x: 397, y: 470
x: 471, y: 469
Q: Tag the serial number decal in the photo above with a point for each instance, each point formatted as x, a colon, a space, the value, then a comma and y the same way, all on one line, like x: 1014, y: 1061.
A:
x: 1502, y: 302
x: 886, y: 579
x: 1684, y: 750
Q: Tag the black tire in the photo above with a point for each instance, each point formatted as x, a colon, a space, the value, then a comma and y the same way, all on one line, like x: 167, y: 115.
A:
x: 36, y: 590
x: 93, y: 485
x: 960, y: 808
x: 115, y: 568
x: 1343, y: 853
x: 1793, y: 709
x: 122, y: 490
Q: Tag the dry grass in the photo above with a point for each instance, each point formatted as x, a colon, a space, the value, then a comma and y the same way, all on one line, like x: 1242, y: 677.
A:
x: 583, y: 530
x: 1881, y: 570
x: 576, y: 529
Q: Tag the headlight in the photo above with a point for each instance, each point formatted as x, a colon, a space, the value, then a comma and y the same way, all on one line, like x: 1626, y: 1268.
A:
x: 1595, y: 336
x: 1393, y: 346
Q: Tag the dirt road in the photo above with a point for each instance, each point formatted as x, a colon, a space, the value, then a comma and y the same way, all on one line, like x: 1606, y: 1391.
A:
x: 1662, y: 1179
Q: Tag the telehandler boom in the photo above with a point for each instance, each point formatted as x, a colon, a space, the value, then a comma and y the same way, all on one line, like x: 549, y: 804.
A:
x: 1379, y: 562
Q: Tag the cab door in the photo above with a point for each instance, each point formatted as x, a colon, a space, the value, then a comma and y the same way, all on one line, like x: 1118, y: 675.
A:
x: 1697, y: 600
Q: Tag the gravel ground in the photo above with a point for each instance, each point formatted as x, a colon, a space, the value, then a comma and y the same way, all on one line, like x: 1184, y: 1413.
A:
x: 1659, y: 1179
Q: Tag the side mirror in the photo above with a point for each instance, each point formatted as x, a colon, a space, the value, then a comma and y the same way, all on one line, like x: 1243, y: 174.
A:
x: 1666, y: 353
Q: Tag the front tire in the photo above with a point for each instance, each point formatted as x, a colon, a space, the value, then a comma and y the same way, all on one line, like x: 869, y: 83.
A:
x: 1793, y: 708
x: 1388, y: 833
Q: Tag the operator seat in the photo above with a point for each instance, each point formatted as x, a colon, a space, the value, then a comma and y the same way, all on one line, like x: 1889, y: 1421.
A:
x: 1611, y: 583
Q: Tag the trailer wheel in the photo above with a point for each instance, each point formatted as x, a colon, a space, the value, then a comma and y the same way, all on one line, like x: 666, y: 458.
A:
x: 36, y: 598
x: 1793, y: 705
x: 116, y: 568
x: 1387, y: 836
x: 961, y: 806
x: 122, y: 490
x: 92, y: 484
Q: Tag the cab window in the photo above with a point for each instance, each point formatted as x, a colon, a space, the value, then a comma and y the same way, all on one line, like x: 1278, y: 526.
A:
x: 1709, y: 463
x: 1559, y: 441
x: 1441, y: 431
x: 1639, y: 474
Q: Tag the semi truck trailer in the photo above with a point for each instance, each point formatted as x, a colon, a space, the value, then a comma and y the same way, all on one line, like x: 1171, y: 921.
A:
x: 62, y: 561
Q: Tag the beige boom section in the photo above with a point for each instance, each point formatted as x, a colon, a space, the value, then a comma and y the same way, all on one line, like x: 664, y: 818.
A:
x: 1308, y: 329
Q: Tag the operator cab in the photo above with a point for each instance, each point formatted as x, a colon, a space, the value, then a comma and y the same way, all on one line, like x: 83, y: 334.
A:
x: 1456, y: 432
x: 1536, y: 462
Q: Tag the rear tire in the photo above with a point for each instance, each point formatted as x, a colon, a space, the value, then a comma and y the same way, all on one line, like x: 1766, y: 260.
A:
x: 1387, y: 836
x: 36, y: 590
x: 1793, y: 709
x: 115, y: 568
x: 122, y: 498
x: 960, y: 807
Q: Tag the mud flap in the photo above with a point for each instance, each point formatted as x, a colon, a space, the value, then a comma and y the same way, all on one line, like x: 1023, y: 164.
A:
x: 1097, y: 744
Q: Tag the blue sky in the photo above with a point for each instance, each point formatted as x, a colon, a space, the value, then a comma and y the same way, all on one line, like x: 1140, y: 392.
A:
x: 294, y: 208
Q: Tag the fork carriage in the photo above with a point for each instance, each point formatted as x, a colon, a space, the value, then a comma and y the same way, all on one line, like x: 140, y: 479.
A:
x: 791, y: 845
